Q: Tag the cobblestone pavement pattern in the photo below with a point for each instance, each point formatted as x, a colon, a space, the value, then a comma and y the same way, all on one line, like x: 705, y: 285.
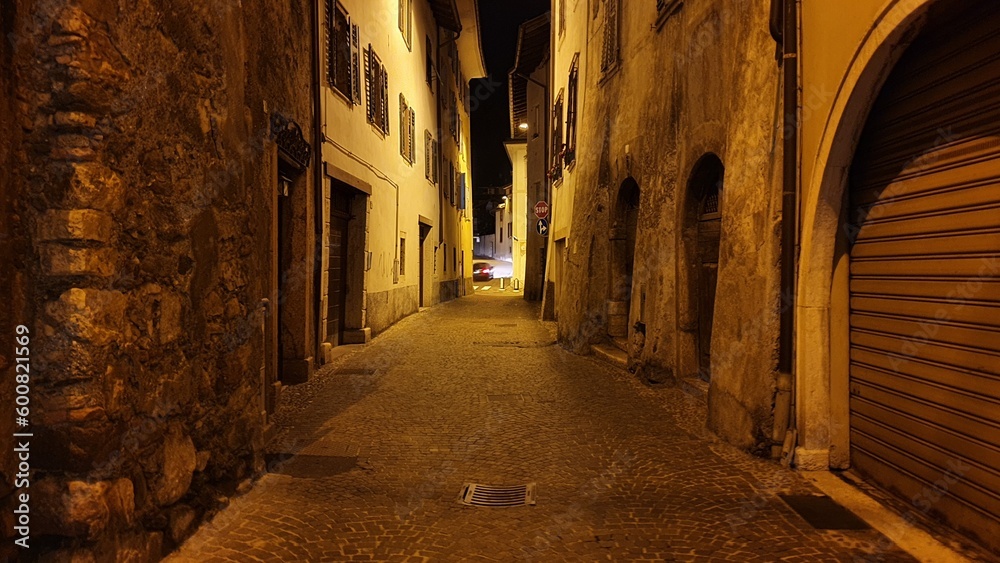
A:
x: 476, y: 391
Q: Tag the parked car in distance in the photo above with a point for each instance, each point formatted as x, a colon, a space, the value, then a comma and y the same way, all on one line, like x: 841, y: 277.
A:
x: 482, y: 271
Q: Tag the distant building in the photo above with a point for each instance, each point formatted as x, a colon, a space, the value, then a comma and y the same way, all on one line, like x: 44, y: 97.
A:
x: 529, y: 108
x: 398, y: 203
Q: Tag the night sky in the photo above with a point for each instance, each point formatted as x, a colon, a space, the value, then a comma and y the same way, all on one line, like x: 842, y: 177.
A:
x: 498, y: 20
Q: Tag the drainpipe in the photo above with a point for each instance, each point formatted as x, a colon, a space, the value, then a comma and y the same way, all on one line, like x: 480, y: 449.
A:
x: 788, y: 26
x: 318, y: 133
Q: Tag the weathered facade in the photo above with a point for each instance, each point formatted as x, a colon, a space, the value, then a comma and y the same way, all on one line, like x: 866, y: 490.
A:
x: 642, y: 217
x: 396, y: 209
x: 672, y: 217
x: 141, y: 163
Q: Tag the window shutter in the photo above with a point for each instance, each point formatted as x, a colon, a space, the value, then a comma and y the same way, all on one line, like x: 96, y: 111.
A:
x: 461, y: 186
x: 355, y: 65
x: 412, y: 135
x: 427, y: 155
x: 331, y: 42
x: 435, y: 161
x: 385, y: 99
x: 402, y: 121
x: 402, y: 15
x: 368, y: 84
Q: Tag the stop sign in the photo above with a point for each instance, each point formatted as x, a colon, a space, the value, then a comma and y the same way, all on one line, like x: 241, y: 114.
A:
x: 541, y: 210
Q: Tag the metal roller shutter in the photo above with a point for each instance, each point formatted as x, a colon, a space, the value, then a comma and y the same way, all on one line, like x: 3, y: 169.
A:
x: 925, y: 277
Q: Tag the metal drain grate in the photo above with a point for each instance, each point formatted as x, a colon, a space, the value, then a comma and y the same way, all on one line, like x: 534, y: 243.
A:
x: 488, y: 495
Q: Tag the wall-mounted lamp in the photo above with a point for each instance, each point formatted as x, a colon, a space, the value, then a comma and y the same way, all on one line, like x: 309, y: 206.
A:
x: 523, y: 127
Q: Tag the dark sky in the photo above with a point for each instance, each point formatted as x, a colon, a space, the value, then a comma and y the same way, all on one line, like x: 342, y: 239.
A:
x: 498, y: 20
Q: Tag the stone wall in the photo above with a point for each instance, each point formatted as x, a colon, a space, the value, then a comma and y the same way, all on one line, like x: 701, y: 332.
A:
x: 703, y: 82
x: 144, y: 184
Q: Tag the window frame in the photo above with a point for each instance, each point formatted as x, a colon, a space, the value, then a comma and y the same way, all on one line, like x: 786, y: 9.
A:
x: 572, y: 97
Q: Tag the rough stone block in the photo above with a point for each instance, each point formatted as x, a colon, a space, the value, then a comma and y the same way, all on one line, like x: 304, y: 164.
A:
x: 59, y: 260
x: 75, y: 119
x: 75, y: 225
x: 80, y: 508
x: 93, y: 185
x: 171, y: 308
x: 182, y: 517
x: 179, y: 462
x: 91, y: 315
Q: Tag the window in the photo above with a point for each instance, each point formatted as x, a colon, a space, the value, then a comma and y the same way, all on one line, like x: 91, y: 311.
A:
x: 428, y: 155
x: 429, y: 60
x: 574, y: 71
x: 452, y: 108
x: 435, y: 159
x: 376, y: 91
x: 461, y: 188
x: 342, y: 56
x: 406, y: 22
x: 609, y: 58
x: 444, y: 256
x: 555, y: 172
x: 454, y: 259
x: 562, y: 16
x: 402, y: 256
x: 407, y: 130
x: 664, y: 8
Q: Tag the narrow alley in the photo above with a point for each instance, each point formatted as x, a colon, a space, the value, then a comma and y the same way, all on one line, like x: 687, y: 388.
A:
x: 373, y: 454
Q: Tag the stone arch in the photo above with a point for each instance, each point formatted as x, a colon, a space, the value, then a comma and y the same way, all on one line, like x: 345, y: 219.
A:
x: 822, y: 384
x: 624, y: 226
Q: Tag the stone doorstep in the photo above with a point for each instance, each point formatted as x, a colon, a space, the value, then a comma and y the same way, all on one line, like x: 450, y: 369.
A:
x: 620, y: 343
x: 694, y: 386
x: 610, y: 354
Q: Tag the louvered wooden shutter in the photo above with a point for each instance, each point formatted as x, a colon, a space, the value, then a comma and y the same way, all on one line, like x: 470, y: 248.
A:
x: 412, y: 135
x: 427, y: 155
x: 402, y: 126
x: 331, y: 42
x: 385, y: 100
x: 355, y: 64
x: 368, y: 84
x: 435, y: 161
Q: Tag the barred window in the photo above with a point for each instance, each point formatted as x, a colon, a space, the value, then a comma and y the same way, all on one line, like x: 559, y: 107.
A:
x: 376, y: 91
x: 402, y: 256
x: 342, y: 52
x: 407, y: 130
x: 571, y: 88
x: 609, y: 58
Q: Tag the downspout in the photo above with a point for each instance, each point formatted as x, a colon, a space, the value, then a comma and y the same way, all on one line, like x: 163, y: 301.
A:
x: 787, y: 26
x: 318, y: 127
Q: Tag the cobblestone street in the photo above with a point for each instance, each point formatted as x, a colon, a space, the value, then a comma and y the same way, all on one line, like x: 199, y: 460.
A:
x: 476, y: 391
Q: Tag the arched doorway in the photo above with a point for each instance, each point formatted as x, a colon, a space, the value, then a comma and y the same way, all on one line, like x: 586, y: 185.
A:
x: 622, y: 237
x: 923, y: 229
x: 704, y: 223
